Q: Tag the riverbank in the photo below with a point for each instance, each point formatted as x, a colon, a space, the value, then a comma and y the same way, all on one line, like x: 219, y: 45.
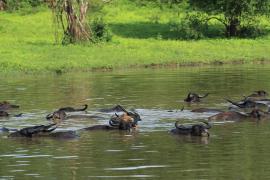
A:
x: 27, y: 44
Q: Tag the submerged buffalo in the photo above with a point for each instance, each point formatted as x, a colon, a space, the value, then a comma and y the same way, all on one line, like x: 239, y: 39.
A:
x: 117, y: 108
x: 57, y: 116
x: 4, y: 129
x: 6, y: 114
x: 206, y: 110
x: 257, y: 95
x: 60, y: 115
x: 33, y: 130
x: 6, y: 106
x: 126, y: 121
x: 71, y: 109
x: 193, y: 97
x: 255, y: 114
x: 42, y: 131
x: 247, y: 104
x: 193, y: 129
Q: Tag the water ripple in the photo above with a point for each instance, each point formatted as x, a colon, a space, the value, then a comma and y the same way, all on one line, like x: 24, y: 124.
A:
x: 65, y: 157
x: 33, y: 156
x: 114, y: 150
x: 14, y: 165
x: 128, y: 176
x: 135, y: 168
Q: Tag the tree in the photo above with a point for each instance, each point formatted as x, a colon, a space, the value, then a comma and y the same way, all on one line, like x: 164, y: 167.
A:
x: 71, y: 16
x: 231, y: 13
x: 2, y: 5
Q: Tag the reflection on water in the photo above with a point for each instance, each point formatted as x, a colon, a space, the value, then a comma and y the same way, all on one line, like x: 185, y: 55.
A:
x: 233, y: 151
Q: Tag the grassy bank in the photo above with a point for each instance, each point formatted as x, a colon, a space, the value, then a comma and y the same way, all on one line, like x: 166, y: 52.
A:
x: 27, y: 43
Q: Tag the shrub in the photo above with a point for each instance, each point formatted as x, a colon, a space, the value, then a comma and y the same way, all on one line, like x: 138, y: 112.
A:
x: 14, y: 5
x: 191, y: 26
x: 100, y: 30
x: 251, y: 30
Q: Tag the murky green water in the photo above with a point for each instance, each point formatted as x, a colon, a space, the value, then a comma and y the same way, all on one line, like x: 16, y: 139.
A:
x: 233, y: 151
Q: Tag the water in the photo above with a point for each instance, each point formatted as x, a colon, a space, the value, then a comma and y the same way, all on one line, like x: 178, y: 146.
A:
x: 233, y: 151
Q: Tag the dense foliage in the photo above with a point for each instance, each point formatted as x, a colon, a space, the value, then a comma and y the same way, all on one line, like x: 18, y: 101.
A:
x: 233, y: 14
x: 27, y: 42
x: 13, y: 5
x: 194, y: 19
x: 74, y: 18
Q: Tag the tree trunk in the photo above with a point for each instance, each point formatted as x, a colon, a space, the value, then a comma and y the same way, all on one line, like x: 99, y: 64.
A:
x: 71, y: 16
x: 76, y: 27
x: 2, y: 5
x: 232, y: 27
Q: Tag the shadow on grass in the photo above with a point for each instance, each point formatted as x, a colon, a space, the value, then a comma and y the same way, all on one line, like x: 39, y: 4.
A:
x: 40, y: 43
x: 145, y: 30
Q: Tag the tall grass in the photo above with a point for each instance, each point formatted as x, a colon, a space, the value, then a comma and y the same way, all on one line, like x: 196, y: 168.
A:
x: 141, y: 37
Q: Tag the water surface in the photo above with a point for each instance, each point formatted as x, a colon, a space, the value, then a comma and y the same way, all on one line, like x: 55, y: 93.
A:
x: 233, y: 151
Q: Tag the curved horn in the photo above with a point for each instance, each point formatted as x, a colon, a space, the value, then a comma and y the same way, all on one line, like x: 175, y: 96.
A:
x: 80, y: 109
x: 85, y: 107
x: 258, y: 115
x: 178, y: 126
x: 123, y: 109
x: 47, y: 128
x: 182, y: 109
x: 18, y: 115
x: 49, y: 116
x: 204, y: 95
x: 187, y: 99
x: 234, y: 103
x: 113, y: 123
x: 207, y: 124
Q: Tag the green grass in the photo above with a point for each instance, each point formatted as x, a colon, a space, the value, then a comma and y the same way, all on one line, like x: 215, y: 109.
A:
x: 27, y: 43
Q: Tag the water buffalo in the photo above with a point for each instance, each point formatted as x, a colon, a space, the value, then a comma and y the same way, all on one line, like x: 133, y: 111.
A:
x: 193, y: 129
x: 6, y: 105
x: 57, y: 116
x: 62, y: 134
x: 206, y: 110
x: 193, y: 97
x: 125, y: 121
x: 6, y: 114
x: 60, y: 115
x: 237, y: 116
x: 117, y: 108
x: 258, y: 94
x: 121, y: 122
x: 3, y: 129
x: 71, y: 109
x: 34, y: 130
x: 42, y: 131
x: 247, y: 103
x: 3, y: 114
